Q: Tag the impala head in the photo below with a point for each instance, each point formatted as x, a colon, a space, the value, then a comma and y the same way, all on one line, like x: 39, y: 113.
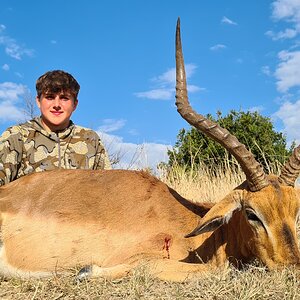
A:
x: 264, y: 208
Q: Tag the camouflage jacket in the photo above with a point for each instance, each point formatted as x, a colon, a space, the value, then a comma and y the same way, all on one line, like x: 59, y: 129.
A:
x: 28, y: 148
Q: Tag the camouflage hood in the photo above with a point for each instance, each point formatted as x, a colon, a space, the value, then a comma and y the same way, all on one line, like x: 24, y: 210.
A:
x: 36, y: 125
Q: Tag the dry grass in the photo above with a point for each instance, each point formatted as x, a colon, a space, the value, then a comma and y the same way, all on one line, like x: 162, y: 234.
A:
x: 203, y: 184
x: 229, y: 283
x: 254, y: 282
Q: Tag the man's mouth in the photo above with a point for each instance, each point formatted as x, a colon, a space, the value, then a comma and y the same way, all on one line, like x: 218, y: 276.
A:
x: 56, y: 113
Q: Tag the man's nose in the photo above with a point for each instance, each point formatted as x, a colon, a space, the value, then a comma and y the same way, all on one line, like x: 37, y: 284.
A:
x: 57, y: 102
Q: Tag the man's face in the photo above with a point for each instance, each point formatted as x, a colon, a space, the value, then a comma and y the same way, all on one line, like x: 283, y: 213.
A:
x: 56, y: 109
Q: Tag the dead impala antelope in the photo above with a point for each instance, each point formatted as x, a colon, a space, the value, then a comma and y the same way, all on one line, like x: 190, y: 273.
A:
x: 111, y: 221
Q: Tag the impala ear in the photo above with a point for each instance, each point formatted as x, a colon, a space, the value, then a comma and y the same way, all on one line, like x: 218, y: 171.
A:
x: 219, y: 214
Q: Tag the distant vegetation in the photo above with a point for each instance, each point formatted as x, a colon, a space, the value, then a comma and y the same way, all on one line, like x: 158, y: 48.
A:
x: 252, y: 129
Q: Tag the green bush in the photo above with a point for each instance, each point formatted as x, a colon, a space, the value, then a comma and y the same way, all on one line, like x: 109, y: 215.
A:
x: 255, y: 131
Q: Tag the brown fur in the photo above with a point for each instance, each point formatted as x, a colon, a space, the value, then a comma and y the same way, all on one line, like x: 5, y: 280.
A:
x: 117, y: 219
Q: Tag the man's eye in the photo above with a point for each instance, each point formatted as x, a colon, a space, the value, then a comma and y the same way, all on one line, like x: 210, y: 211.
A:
x: 64, y: 98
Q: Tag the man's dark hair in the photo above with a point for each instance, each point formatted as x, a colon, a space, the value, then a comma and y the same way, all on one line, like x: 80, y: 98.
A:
x: 55, y: 82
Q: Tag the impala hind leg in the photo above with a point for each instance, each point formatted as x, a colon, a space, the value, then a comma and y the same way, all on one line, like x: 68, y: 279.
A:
x: 9, y: 270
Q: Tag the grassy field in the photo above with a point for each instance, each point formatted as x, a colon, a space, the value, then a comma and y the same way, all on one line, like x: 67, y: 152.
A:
x: 229, y: 283
x: 254, y: 282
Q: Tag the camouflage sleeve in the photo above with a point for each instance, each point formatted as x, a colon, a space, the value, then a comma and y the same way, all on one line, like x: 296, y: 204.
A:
x: 102, y: 160
x: 11, y: 145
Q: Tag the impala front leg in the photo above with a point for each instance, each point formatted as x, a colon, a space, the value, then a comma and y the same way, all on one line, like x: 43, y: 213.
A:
x: 114, y: 272
x: 173, y: 270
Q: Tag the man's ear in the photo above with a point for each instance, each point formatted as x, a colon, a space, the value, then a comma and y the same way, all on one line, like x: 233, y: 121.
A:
x: 37, y: 99
x: 219, y: 214
x: 75, y: 104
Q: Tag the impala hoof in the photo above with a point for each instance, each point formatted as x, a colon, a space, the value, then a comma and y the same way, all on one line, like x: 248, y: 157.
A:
x: 84, y: 273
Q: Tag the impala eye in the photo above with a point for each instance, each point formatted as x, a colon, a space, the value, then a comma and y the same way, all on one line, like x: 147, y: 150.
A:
x: 251, y: 216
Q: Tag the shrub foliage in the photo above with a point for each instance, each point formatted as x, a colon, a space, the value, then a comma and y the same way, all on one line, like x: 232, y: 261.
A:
x: 252, y: 129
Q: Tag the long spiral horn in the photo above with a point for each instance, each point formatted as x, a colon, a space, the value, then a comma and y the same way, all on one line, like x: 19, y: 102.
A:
x: 253, y: 170
x: 290, y: 171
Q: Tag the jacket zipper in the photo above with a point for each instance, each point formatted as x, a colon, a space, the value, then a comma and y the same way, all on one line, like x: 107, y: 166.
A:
x: 59, y: 152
